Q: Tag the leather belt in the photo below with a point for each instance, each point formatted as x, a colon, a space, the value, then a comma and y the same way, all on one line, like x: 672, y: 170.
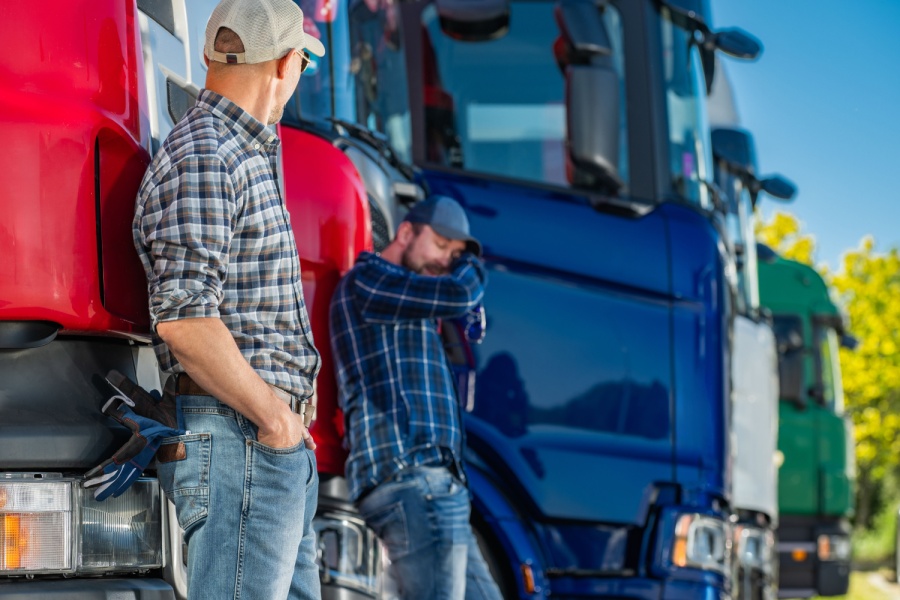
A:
x: 188, y: 387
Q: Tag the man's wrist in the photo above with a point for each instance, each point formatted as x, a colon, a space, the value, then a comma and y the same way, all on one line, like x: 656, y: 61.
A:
x: 274, y: 418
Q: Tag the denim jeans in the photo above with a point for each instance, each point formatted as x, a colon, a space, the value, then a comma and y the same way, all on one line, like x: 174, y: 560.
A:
x: 422, y: 518
x: 246, y: 509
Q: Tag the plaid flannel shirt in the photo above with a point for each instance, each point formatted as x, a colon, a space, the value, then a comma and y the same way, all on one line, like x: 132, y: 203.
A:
x: 396, y: 388
x: 215, y: 240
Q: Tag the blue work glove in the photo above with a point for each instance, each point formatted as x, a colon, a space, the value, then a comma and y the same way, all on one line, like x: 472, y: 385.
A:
x: 116, y: 474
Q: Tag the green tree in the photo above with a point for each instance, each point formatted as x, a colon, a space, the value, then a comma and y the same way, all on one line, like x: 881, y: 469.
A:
x: 783, y: 233
x: 868, y: 287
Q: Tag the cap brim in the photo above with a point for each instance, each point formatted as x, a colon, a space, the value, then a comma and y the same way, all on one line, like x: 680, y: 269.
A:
x: 472, y: 245
x: 313, y: 45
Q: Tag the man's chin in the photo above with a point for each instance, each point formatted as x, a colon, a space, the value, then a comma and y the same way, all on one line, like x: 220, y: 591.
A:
x: 275, y: 115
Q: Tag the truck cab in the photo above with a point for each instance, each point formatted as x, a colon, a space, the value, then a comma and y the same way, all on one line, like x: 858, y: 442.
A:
x: 816, y: 481
x: 754, y: 371
x: 86, y: 108
x: 73, y: 302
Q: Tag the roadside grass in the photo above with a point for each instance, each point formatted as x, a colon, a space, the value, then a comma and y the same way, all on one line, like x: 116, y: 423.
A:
x: 876, y: 545
x: 862, y: 588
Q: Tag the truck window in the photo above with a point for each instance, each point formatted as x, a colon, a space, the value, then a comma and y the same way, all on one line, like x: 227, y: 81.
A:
x: 739, y: 224
x: 828, y: 368
x: 690, y: 152
x: 364, y: 34
x: 564, y: 361
x: 788, y: 333
x: 498, y: 106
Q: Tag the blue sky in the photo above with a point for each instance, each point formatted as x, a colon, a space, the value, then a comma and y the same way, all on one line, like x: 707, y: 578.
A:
x: 823, y: 103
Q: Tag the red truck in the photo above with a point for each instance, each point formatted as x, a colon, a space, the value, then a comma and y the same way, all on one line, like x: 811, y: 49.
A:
x: 87, y: 90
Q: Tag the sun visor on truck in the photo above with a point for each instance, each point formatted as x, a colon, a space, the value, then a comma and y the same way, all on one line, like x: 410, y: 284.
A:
x: 473, y: 20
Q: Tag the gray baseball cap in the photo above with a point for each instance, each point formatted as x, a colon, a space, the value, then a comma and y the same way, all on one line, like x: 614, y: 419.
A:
x: 447, y: 218
x: 269, y: 30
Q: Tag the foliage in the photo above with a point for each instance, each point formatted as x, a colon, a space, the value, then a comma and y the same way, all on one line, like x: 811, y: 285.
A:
x: 866, y: 287
x: 875, y: 545
x: 784, y: 235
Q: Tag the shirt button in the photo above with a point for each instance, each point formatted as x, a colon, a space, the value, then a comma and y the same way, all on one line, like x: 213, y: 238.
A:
x: 256, y: 146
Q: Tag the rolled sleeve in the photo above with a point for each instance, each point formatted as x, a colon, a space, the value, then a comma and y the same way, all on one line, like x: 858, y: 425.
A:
x: 187, y: 228
x: 388, y: 293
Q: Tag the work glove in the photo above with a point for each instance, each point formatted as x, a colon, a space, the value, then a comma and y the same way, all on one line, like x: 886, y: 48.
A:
x: 116, y: 474
x: 161, y: 408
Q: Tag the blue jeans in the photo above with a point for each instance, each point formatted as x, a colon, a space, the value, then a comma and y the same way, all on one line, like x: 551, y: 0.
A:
x: 422, y: 518
x: 246, y: 509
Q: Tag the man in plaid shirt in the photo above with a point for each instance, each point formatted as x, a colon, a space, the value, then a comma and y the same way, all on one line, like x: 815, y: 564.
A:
x: 399, y: 399
x: 229, y: 318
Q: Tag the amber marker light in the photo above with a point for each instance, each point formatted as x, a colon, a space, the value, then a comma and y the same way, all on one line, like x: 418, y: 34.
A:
x: 15, y: 542
x: 527, y: 578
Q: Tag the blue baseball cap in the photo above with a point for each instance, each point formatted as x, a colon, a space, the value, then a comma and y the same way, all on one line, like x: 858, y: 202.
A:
x: 447, y: 218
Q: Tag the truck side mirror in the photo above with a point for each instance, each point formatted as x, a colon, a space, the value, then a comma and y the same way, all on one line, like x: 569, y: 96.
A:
x: 735, y: 148
x: 592, y: 95
x: 790, y: 378
x: 737, y: 43
x: 778, y: 187
x: 473, y: 20
x: 849, y: 342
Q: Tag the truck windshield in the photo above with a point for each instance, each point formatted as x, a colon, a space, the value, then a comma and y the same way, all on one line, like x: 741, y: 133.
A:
x: 690, y: 152
x: 498, y: 106
x: 362, y: 77
x: 739, y: 223
x: 828, y: 368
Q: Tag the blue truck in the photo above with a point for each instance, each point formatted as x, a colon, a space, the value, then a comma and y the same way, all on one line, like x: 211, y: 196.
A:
x: 575, y: 134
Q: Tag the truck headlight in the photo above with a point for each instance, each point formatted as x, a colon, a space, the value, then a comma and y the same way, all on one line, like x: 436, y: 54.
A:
x: 124, y: 532
x: 348, y: 552
x: 702, y: 542
x: 50, y: 525
x: 833, y: 547
x: 754, y: 547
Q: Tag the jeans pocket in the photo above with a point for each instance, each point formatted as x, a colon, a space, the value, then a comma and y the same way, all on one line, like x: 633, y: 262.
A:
x: 448, y: 507
x: 441, y: 484
x: 389, y: 524
x: 185, y: 480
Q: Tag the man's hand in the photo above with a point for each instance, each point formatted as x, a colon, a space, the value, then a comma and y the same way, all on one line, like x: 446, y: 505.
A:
x: 284, y: 431
x: 228, y: 376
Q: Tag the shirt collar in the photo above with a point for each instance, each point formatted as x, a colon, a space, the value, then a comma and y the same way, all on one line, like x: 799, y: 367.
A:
x: 238, y: 120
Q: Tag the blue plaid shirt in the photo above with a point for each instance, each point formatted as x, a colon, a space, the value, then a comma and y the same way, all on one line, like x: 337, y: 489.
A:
x: 396, y: 388
x: 215, y: 240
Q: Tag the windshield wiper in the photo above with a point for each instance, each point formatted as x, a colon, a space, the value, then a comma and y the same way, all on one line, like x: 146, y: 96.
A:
x: 378, y: 141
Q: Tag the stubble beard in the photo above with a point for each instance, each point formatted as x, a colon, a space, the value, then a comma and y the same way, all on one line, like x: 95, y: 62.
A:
x: 275, y: 115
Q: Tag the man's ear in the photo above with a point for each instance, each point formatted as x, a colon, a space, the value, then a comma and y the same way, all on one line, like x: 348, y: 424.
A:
x: 405, y: 233
x: 283, y: 65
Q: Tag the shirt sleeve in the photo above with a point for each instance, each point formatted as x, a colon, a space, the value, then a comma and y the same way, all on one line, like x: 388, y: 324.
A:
x: 386, y: 293
x: 186, y: 229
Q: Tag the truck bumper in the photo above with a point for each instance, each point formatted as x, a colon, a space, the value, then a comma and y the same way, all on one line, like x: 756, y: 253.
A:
x: 803, y: 574
x: 87, y: 589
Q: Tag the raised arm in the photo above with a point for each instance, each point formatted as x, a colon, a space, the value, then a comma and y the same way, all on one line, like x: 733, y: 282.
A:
x: 387, y: 293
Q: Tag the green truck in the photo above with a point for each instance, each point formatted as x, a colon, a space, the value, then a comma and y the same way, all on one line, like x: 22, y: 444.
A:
x: 815, y: 438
